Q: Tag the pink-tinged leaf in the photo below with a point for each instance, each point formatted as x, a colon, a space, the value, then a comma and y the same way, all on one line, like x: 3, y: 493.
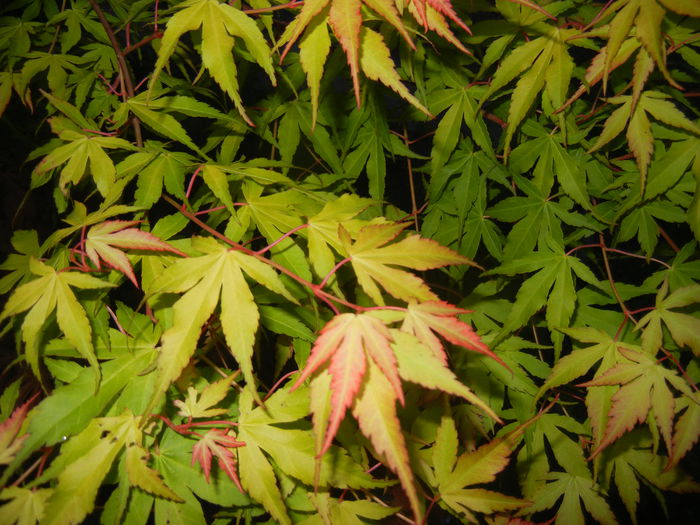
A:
x: 218, y: 443
x: 294, y: 30
x: 687, y: 432
x: 377, y: 340
x: 387, y: 10
x: 630, y: 406
x: 445, y: 7
x: 10, y: 443
x: 103, y: 240
x: 330, y: 337
x: 345, y: 19
x: 375, y: 411
x: 347, y: 369
x: 348, y: 340
x: 422, y: 319
x: 434, y: 21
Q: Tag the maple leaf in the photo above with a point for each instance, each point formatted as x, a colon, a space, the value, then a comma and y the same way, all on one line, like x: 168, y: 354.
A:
x: 218, y: 273
x: 367, y: 363
x: 364, y: 49
x: 10, y: 441
x: 26, y: 506
x: 454, y: 473
x: 217, y: 442
x: 371, y: 261
x: 632, y: 459
x: 647, y: 16
x: 322, y: 229
x: 544, y: 64
x: 348, y: 341
x: 220, y: 22
x: 80, y: 147
x: 52, y: 291
x: 199, y: 405
x: 575, y: 490
x: 103, y: 240
x: 142, y: 476
x: 83, y: 463
x: 635, y: 120
x: 423, y: 319
x: 684, y: 328
x: 643, y: 388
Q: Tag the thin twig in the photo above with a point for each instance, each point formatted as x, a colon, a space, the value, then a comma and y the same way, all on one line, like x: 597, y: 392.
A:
x: 128, y: 91
x: 608, y: 271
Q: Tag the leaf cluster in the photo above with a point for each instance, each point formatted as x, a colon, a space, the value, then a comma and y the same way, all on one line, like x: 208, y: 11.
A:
x: 334, y: 261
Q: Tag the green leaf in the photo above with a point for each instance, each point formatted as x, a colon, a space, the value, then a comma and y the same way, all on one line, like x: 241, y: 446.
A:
x: 220, y: 23
x: 26, y: 506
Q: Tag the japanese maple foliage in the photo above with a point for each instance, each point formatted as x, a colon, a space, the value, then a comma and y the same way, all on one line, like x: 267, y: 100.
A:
x: 349, y: 261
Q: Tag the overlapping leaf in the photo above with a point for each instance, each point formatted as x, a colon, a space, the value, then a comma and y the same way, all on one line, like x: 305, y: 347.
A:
x: 103, y: 241
x: 218, y: 443
x: 423, y: 320
x: 367, y: 363
x: 266, y: 436
x: 544, y: 64
x: 372, y: 260
x: 10, y: 438
x: 365, y: 49
x: 52, y: 291
x: 684, y: 328
x: 638, y: 126
x: 198, y: 405
x: 454, y: 474
x: 578, y: 492
x: 220, y: 22
x: 203, y: 279
x: 81, y: 152
x: 644, y: 387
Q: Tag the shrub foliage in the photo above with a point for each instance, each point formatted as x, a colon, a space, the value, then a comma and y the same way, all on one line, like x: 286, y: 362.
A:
x: 348, y: 261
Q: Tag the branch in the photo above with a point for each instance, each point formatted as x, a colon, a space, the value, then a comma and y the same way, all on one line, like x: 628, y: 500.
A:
x: 128, y: 83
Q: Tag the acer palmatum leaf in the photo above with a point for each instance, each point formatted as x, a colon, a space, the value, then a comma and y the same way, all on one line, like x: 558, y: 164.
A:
x: 443, y: 7
x: 348, y: 341
x: 373, y: 256
x: 425, y: 319
x: 103, y: 243
x: 217, y: 443
x: 10, y: 443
